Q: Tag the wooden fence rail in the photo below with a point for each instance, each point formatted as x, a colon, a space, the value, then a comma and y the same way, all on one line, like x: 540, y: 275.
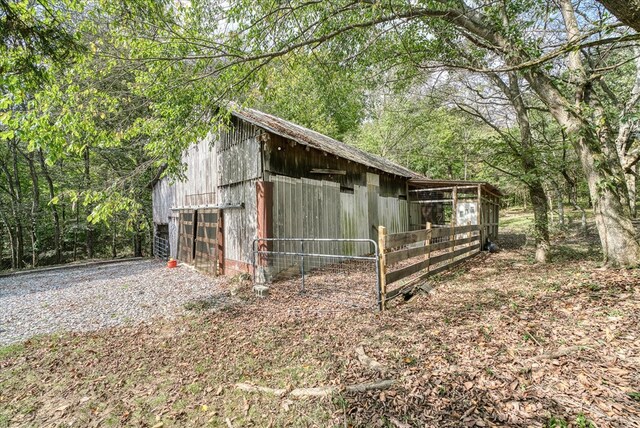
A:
x: 412, y: 257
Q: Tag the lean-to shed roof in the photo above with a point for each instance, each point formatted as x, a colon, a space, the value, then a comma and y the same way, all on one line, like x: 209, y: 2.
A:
x: 431, y: 183
x: 314, y: 139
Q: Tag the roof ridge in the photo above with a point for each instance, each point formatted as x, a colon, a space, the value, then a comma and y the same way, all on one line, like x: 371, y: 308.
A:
x: 315, y: 139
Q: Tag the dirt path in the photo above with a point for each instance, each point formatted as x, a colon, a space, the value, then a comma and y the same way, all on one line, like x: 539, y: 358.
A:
x: 503, y: 343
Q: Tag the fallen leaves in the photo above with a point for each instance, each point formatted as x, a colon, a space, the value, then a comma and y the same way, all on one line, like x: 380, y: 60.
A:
x: 368, y: 361
x: 488, y: 349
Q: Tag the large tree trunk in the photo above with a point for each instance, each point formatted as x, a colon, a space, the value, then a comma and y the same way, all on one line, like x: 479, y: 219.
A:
x: 612, y: 213
x: 541, y: 221
x: 627, y: 11
x: 534, y: 182
x: 607, y: 186
x: 605, y: 177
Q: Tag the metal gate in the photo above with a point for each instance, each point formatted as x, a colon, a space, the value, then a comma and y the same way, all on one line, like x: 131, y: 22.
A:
x: 326, y: 273
x: 161, y: 248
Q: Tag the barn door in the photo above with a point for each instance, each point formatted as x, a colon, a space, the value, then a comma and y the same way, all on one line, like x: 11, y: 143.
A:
x: 186, y: 232
x: 205, y: 258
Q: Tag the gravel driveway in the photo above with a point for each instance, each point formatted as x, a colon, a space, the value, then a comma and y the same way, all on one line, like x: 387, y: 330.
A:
x: 94, y: 297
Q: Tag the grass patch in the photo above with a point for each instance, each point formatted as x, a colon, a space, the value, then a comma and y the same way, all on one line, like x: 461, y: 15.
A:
x: 574, y: 253
x: 635, y: 396
x: 517, y: 221
x: 11, y: 350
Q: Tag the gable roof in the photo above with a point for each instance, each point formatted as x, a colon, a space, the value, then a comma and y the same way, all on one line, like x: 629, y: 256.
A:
x: 314, y: 139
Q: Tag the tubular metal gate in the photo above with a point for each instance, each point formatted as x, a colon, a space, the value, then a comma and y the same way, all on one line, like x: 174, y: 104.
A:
x: 322, y: 272
x: 161, y: 248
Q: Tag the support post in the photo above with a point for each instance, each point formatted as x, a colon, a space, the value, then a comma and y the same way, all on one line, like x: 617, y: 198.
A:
x: 264, y: 202
x: 497, y: 215
x: 382, y: 237
x: 302, y: 263
x: 220, y: 242
x: 428, y: 244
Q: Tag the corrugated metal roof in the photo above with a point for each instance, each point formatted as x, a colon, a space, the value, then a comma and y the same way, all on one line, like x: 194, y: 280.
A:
x: 427, y: 183
x: 314, y: 139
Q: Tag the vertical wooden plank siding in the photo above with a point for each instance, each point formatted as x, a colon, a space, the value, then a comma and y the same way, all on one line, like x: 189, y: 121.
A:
x: 373, y: 190
x: 307, y: 208
x: 393, y: 214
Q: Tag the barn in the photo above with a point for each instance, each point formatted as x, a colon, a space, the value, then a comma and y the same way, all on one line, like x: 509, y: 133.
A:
x: 264, y: 177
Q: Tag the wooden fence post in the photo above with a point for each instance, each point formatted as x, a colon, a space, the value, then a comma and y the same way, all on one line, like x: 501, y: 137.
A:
x: 428, y: 244
x: 382, y: 237
x: 454, y: 219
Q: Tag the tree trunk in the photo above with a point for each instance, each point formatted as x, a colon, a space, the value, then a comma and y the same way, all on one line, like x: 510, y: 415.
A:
x: 627, y: 11
x: 12, y: 246
x: 57, y: 233
x: 559, y: 203
x: 541, y: 221
x: 75, y: 232
x: 137, y: 241
x: 113, y: 241
x: 17, y: 208
x: 89, y: 239
x: 527, y: 159
x: 607, y: 187
x: 632, y: 188
x: 612, y: 212
x: 35, y: 208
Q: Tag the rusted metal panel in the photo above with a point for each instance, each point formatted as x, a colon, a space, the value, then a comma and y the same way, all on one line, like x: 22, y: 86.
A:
x: 284, y: 157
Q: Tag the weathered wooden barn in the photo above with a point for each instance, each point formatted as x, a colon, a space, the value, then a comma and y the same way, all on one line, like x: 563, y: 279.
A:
x: 262, y: 176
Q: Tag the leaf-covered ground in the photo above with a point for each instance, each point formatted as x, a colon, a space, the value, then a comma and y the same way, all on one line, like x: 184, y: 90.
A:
x: 501, y: 342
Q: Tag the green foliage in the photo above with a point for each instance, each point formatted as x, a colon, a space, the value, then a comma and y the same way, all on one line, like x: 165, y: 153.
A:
x: 555, y: 422
x: 583, y: 422
x: 312, y: 92
x: 429, y: 139
x: 33, y: 34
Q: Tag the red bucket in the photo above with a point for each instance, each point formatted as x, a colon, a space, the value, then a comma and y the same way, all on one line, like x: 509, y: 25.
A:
x: 172, y: 263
